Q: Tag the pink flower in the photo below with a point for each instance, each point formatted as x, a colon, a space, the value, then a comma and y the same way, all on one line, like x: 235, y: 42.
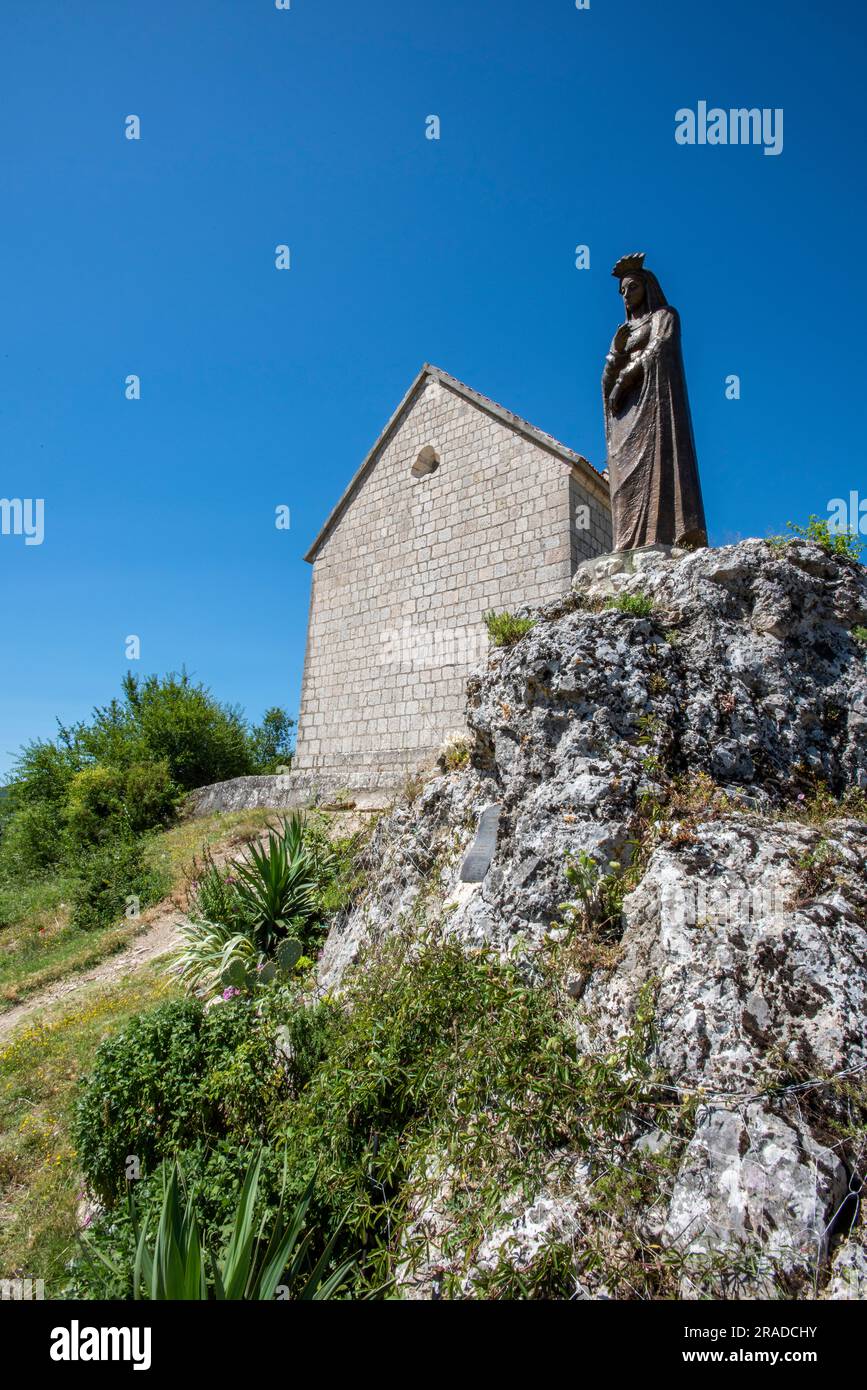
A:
x: 230, y: 992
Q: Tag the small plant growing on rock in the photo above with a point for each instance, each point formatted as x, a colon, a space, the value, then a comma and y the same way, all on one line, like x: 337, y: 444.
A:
x: 820, y: 805
x: 593, y: 917
x: 817, y: 529
x: 413, y: 786
x: 815, y: 873
x: 636, y: 605
x: 505, y: 629
x: 860, y: 635
x: 455, y: 752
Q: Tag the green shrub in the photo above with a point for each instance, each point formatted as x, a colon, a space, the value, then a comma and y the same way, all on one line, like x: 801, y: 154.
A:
x: 199, y: 1085
x: 176, y: 1076
x: 123, y: 773
x: 434, y: 1061
x: 169, y: 720
x: 32, y: 841
x: 109, y: 876
x: 504, y: 629
x: 860, y: 634
x: 444, y: 1061
x: 817, y: 529
x: 271, y: 742
x: 95, y: 809
x: 638, y: 605
x: 150, y: 796
x: 43, y: 773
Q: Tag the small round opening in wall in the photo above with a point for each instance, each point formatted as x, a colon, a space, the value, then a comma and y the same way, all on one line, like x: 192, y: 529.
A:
x: 427, y: 462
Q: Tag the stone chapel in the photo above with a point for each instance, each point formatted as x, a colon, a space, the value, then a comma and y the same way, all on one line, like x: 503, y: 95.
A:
x: 459, y: 507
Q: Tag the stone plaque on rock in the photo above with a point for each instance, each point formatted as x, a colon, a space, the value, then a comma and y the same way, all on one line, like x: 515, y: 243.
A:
x: 478, y: 857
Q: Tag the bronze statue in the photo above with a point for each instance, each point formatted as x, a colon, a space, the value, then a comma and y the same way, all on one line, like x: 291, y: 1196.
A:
x: 652, y: 469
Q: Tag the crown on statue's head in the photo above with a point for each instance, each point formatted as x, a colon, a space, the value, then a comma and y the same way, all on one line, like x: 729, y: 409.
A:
x: 629, y: 265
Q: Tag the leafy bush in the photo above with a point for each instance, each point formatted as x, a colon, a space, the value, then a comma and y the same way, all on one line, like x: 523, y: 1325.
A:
x: 43, y: 773
x: 199, y: 1085
x: 175, y: 1076
x: 440, y: 1061
x: 74, y: 805
x: 150, y: 796
x: 31, y: 842
x: 111, y: 874
x: 817, y: 529
x: 95, y: 809
x: 638, y: 605
x: 435, y: 1061
x: 271, y: 742
x: 860, y: 634
x: 214, y: 898
x: 167, y: 719
x: 504, y: 629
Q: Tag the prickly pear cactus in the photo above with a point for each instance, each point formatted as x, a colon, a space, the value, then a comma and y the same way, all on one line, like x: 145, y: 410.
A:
x: 288, y: 954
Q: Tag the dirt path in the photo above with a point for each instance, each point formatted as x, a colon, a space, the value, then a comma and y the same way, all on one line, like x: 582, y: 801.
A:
x: 156, y: 939
x: 158, y: 936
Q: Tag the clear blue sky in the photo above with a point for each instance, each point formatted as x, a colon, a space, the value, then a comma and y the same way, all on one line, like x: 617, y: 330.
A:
x: 259, y: 387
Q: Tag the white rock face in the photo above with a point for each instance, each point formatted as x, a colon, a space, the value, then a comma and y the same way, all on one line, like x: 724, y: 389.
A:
x: 750, y: 925
x: 741, y: 971
x: 751, y: 1181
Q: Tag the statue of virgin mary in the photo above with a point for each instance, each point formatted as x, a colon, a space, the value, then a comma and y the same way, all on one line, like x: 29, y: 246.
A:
x: 652, y: 468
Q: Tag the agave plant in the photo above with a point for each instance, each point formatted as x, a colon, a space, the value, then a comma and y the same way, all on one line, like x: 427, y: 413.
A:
x: 211, y: 952
x: 278, y: 886
x: 248, y: 926
x: 175, y: 1264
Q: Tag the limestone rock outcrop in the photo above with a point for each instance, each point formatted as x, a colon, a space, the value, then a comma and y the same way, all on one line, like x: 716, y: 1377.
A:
x: 701, y: 737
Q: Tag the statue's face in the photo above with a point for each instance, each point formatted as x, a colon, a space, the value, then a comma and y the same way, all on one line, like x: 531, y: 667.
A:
x: 632, y: 289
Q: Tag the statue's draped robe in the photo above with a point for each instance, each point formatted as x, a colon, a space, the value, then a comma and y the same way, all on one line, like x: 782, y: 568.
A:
x: 652, y: 469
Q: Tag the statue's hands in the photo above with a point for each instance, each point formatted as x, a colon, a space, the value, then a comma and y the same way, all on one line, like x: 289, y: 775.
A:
x: 624, y: 384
